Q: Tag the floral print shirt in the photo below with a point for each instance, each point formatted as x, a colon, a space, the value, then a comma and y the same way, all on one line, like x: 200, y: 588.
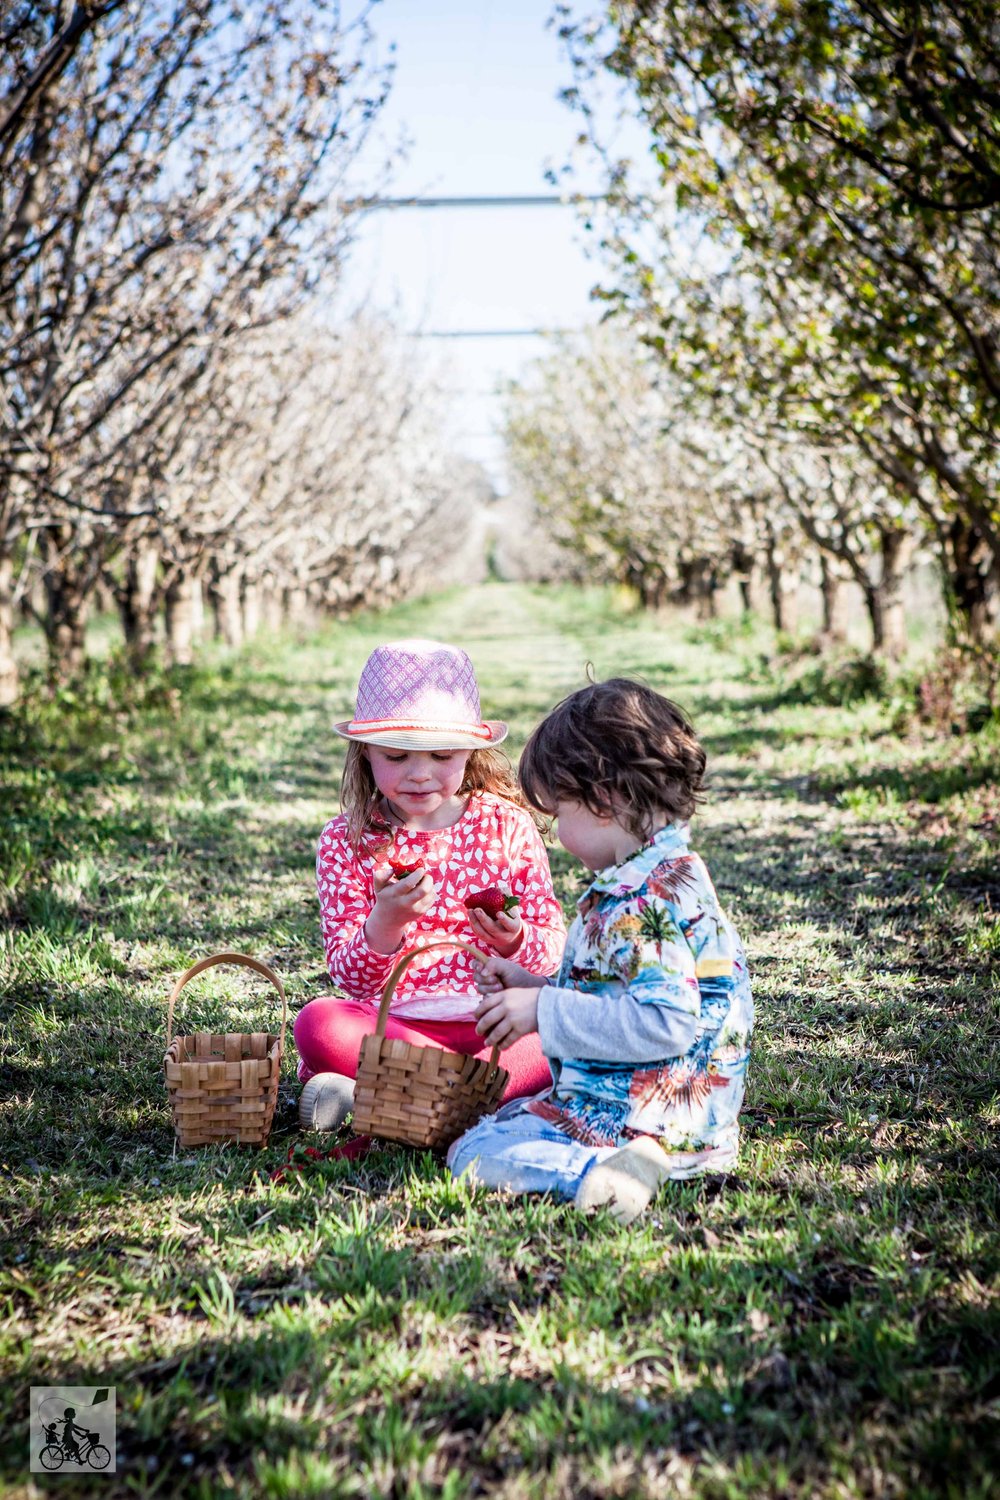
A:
x: 651, y: 962
x: 493, y: 843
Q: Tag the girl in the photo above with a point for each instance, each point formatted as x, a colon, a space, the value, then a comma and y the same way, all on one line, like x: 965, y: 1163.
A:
x: 431, y: 816
x: 647, y: 1025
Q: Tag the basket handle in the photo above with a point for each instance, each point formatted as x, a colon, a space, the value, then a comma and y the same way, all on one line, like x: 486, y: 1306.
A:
x: 227, y: 958
x: 404, y: 963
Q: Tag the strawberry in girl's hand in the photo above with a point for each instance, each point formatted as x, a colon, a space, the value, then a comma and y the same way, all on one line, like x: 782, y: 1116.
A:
x: 493, y: 917
x: 492, y: 901
x: 401, y: 871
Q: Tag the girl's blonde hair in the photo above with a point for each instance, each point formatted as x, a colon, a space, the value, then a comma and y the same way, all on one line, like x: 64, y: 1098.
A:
x: 486, y: 770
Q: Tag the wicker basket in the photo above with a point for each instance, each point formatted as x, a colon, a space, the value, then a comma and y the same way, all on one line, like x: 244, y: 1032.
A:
x: 223, y: 1087
x: 422, y: 1096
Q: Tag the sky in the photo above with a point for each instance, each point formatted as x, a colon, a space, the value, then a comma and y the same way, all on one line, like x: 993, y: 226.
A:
x: 475, y: 95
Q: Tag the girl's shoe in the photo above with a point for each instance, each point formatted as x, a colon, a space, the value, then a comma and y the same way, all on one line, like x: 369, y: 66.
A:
x: 627, y: 1182
x: 326, y: 1101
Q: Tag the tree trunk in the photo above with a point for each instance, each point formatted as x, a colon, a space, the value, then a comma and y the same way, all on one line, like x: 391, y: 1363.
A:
x: 32, y: 603
x: 783, y: 590
x: 741, y: 561
x: 137, y: 604
x: 706, y: 589
x: 179, y: 619
x: 834, y: 630
x: 65, y: 629
x: 224, y: 598
x: 884, y: 600
x: 271, y: 606
x: 647, y: 580
x: 295, y: 602
x: 650, y: 582
x: 699, y: 582
x: 972, y: 584
x: 197, y: 606
x: 251, y: 608
x: 873, y: 604
x: 65, y: 625
x: 9, y: 684
x: 105, y: 599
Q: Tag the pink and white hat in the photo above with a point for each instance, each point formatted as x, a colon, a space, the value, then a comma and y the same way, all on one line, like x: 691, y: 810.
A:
x: 420, y: 695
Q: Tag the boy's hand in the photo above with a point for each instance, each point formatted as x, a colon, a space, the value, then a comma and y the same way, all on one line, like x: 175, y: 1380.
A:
x: 502, y: 1018
x: 397, y: 904
x: 501, y: 974
x: 502, y: 932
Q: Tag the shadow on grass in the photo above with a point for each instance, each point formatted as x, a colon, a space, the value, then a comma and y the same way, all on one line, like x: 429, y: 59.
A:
x: 880, y: 883
x: 902, y: 871
x: 920, y: 783
x: 229, y: 1402
x: 817, y: 1350
x: 748, y: 740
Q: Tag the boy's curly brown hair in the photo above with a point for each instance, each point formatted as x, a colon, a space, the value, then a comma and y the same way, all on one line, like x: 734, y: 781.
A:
x: 618, y: 748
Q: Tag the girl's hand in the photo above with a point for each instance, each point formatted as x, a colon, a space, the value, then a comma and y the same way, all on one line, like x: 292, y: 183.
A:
x: 501, y: 974
x: 397, y: 904
x: 501, y: 1019
x: 502, y: 932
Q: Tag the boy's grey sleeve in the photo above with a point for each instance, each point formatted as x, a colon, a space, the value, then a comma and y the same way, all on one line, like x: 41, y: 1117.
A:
x: 572, y: 1023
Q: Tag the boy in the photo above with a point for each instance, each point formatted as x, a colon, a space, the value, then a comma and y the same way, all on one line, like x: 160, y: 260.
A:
x: 647, y: 1024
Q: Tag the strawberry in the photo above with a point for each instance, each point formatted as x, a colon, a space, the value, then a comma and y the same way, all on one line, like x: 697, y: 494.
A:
x: 492, y: 901
x: 401, y: 871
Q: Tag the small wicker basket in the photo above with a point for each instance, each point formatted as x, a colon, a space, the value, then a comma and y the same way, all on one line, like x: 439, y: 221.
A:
x: 422, y: 1096
x: 223, y: 1087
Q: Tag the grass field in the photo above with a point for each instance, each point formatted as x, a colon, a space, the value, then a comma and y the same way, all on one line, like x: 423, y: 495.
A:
x: 824, y: 1322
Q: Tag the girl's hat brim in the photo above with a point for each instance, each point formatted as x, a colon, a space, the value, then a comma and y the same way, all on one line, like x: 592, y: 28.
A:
x: 424, y: 737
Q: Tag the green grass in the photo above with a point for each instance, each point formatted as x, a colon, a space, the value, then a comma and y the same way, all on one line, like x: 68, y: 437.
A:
x: 822, y: 1322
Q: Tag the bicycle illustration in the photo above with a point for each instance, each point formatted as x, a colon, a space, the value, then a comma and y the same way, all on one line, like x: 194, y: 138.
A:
x: 77, y: 1446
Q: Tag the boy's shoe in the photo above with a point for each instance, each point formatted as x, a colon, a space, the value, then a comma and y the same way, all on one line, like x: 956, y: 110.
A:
x: 326, y: 1101
x: 627, y: 1182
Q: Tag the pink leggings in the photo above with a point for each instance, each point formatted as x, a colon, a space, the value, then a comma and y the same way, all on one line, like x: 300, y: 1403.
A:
x: 329, y: 1032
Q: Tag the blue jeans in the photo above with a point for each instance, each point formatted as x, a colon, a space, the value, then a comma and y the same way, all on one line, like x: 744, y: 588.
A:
x: 520, y: 1151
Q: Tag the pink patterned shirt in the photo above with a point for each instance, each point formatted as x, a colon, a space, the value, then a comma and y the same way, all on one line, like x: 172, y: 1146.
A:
x: 493, y: 843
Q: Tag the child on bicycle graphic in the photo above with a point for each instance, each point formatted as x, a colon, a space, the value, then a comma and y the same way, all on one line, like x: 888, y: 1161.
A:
x: 64, y: 1441
x: 69, y: 1435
